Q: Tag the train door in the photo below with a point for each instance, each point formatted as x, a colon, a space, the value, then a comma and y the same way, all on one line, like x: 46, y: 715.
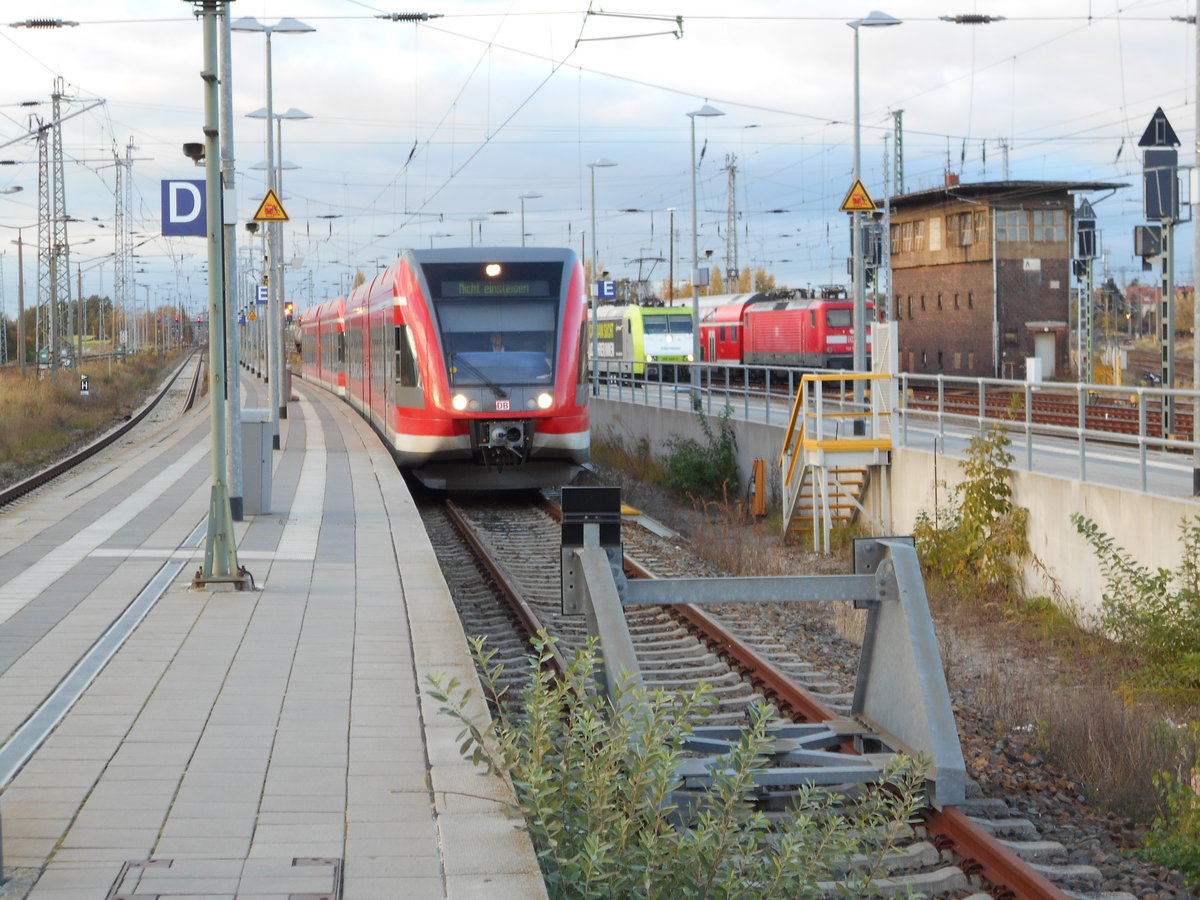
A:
x: 712, y: 345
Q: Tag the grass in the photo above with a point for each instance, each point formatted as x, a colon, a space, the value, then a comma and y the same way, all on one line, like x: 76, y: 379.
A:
x: 47, y: 416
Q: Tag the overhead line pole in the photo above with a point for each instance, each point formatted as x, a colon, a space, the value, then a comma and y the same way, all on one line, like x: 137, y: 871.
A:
x: 220, y: 551
x: 233, y: 408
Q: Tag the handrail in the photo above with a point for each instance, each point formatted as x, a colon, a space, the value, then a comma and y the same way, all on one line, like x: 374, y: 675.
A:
x: 762, y: 402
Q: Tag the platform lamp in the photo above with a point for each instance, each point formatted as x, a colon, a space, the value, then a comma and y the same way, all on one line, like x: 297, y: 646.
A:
x: 693, y: 164
x: 531, y: 195
x: 274, y: 300
x: 874, y: 19
x: 600, y: 163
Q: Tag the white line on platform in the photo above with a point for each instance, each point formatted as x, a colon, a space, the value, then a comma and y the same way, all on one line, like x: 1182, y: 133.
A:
x: 39, y: 576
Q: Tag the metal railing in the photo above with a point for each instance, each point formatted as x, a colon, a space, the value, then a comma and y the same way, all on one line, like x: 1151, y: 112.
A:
x: 1026, y: 411
x: 942, y: 413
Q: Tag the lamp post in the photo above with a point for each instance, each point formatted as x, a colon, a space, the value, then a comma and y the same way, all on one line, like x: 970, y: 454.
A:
x: 275, y: 236
x: 875, y: 19
x: 693, y: 164
x: 275, y: 364
x: 534, y: 195
x: 600, y: 163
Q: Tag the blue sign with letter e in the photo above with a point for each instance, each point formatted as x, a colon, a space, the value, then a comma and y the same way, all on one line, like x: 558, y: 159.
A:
x: 606, y: 290
x: 183, y: 211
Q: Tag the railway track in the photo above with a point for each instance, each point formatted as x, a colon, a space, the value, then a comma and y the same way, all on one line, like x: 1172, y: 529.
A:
x: 1062, y: 410
x: 982, y: 849
x: 29, y: 485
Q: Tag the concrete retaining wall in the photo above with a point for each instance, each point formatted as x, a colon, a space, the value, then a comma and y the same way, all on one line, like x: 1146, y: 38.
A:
x: 1146, y: 526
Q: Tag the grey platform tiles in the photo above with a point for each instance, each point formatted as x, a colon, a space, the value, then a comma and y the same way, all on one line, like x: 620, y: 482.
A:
x: 265, y: 744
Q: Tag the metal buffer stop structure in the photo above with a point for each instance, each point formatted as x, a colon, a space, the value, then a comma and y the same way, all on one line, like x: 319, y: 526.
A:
x: 901, y: 702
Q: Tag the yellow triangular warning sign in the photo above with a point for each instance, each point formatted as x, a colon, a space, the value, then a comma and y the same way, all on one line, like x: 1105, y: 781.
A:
x: 271, y: 210
x: 857, y: 200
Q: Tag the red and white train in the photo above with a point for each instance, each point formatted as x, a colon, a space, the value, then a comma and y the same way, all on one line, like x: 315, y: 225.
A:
x: 469, y: 363
x: 796, y: 329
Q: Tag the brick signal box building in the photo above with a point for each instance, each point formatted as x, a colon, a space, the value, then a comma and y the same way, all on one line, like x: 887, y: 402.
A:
x: 981, y: 276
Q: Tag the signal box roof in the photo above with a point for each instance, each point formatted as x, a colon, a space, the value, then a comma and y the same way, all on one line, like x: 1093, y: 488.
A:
x: 998, y: 192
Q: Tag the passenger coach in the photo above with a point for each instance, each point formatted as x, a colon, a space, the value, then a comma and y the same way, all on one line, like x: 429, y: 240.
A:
x: 469, y: 362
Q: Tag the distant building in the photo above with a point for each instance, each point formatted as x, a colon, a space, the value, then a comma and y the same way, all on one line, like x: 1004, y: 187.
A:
x: 981, y: 276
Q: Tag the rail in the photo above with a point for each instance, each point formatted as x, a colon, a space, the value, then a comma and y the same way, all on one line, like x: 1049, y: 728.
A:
x: 10, y: 494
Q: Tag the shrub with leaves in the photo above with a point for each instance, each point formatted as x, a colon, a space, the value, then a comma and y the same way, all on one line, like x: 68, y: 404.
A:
x: 1174, y: 838
x: 979, y: 537
x: 705, y: 470
x: 1154, y: 613
x: 603, y: 804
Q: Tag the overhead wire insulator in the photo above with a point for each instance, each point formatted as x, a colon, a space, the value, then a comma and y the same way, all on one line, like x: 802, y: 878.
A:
x: 409, y: 17
x: 43, y: 23
x: 972, y: 19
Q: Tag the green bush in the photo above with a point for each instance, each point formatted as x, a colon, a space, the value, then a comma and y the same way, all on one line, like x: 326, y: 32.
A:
x: 979, y: 538
x: 1174, y: 839
x: 1155, y: 614
x: 599, y: 792
x: 705, y: 471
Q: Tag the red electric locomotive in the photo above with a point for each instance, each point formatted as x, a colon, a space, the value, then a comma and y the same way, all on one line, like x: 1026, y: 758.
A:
x: 469, y: 362
x: 794, y: 329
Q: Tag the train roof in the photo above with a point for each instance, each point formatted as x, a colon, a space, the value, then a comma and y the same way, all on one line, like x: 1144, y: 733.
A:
x: 490, y: 254
x: 617, y: 310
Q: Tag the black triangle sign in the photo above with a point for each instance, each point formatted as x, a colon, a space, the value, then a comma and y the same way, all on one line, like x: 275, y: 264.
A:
x: 1159, y: 132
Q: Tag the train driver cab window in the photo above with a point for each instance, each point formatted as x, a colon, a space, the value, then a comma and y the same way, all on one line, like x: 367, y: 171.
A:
x: 667, y: 324
x: 839, y: 317
x: 497, y: 331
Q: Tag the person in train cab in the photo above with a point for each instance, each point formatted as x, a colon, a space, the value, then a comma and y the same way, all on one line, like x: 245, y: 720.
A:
x: 497, y: 342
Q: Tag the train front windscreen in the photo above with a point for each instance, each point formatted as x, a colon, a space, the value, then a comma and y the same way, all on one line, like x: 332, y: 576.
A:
x: 498, y: 321
x: 669, y: 324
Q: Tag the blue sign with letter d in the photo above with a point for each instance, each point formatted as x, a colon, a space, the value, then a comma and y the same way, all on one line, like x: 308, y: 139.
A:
x: 183, y: 211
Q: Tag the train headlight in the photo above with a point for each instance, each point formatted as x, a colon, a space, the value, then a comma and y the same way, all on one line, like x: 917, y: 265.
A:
x: 544, y: 400
x: 691, y: 358
x: 459, y: 402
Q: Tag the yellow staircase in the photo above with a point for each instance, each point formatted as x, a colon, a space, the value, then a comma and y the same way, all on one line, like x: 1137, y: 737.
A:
x: 842, y: 496
x: 830, y: 447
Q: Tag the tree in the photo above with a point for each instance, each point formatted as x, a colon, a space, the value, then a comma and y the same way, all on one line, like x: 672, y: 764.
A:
x: 763, y: 281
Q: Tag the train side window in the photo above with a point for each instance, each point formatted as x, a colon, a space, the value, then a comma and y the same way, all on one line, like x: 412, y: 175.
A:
x: 341, y: 348
x: 812, y: 318
x: 733, y: 330
x: 408, y: 373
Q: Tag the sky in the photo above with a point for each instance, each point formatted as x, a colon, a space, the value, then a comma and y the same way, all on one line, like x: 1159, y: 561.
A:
x: 431, y: 133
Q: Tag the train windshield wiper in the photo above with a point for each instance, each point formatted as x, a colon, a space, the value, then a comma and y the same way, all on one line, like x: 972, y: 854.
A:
x: 496, y: 389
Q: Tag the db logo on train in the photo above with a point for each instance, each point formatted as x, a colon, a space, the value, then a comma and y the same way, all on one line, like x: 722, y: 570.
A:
x: 503, y: 405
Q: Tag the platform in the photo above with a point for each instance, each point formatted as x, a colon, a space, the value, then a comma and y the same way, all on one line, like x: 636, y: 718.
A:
x: 275, y: 743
